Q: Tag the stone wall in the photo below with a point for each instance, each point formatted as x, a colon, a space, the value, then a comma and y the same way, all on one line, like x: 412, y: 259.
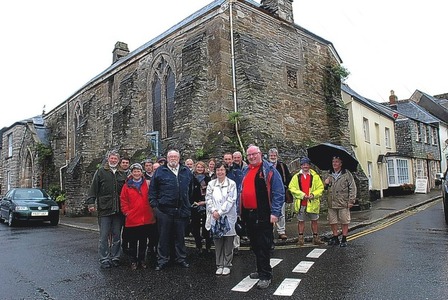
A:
x: 287, y: 98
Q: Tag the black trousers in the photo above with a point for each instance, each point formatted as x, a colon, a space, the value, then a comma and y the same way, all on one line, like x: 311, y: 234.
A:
x: 261, y: 238
x: 171, y: 230
x: 197, y: 224
x: 138, y: 240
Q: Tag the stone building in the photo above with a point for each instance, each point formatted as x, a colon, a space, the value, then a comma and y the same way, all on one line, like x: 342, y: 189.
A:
x: 233, y: 73
x: 26, y: 155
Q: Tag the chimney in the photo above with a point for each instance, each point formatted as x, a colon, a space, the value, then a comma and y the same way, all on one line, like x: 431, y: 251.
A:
x: 280, y: 8
x: 121, y: 49
x: 393, y: 99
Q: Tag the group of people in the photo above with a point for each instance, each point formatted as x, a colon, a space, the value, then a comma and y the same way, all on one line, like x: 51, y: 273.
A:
x: 159, y: 208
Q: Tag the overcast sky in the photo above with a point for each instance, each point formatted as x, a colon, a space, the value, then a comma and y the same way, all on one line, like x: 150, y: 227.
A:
x: 50, y: 48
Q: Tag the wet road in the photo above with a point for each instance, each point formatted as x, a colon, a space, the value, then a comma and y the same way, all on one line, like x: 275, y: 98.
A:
x: 405, y: 258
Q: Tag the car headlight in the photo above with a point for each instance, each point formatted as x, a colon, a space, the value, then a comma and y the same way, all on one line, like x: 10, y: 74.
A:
x: 21, y: 208
x: 54, y: 207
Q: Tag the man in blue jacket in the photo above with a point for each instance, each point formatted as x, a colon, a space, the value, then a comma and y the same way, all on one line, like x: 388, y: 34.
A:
x: 169, y: 194
x: 262, y: 198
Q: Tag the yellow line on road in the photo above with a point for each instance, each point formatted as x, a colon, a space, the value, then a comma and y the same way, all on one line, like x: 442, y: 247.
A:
x: 389, y: 222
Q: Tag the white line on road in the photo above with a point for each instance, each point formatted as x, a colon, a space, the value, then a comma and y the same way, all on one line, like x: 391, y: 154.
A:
x: 303, y: 266
x: 316, y: 253
x: 287, y: 287
x: 247, y: 283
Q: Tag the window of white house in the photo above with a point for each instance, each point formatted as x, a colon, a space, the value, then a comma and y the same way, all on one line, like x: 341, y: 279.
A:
x: 377, y: 133
x: 387, y: 137
x: 10, y: 145
x: 434, y: 136
x: 365, y: 127
x: 397, y: 171
x: 418, y: 138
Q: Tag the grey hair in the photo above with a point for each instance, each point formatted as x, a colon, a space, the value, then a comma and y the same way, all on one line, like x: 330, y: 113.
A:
x: 172, y: 150
x: 113, y: 153
x: 273, y: 150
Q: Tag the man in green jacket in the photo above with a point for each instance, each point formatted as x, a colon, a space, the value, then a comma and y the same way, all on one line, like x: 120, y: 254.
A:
x: 105, y: 192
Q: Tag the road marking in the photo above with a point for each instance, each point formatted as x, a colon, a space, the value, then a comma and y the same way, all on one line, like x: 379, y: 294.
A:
x: 275, y: 261
x: 390, y: 221
x: 247, y: 283
x: 316, y: 253
x: 287, y: 287
x: 303, y: 266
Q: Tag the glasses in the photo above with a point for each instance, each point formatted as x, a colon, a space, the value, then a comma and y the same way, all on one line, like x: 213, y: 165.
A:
x: 252, y: 154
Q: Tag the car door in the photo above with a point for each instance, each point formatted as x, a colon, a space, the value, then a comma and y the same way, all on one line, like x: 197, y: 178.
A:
x: 4, y: 205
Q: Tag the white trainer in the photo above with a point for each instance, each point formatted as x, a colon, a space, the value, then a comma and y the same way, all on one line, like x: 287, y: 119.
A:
x: 225, y: 271
x: 219, y: 271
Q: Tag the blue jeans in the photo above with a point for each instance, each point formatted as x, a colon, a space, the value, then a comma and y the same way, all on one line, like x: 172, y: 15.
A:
x: 109, y: 245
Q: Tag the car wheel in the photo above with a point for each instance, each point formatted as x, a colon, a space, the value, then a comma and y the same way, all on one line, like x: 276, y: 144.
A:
x: 11, y: 221
x: 54, y: 222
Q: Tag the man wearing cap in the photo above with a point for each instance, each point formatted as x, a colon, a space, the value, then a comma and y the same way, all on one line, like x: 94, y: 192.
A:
x: 169, y: 195
x: 105, y: 192
x: 307, y: 188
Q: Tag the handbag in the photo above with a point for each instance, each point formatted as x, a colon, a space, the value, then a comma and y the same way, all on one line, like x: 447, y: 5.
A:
x: 221, y: 227
x: 240, y: 228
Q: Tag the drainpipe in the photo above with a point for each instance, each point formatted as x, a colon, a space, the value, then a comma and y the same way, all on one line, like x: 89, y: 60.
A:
x: 66, y: 150
x: 232, y: 50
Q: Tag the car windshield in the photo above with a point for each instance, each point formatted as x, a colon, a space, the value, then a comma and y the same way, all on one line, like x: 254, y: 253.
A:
x: 30, y: 194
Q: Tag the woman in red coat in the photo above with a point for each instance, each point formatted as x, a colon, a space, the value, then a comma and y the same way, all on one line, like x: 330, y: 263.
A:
x: 138, y: 213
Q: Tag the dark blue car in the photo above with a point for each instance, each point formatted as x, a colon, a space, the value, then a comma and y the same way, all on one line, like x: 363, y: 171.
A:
x: 28, y: 204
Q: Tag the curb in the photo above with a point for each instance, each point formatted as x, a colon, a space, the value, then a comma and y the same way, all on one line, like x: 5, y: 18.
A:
x: 291, y: 241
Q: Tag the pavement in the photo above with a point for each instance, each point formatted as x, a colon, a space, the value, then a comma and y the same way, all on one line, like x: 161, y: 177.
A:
x: 380, y: 209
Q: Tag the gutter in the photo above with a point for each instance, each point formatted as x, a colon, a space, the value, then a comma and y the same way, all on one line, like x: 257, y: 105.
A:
x: 66, y: 149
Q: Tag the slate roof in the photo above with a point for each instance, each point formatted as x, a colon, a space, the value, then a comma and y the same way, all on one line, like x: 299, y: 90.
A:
x: 38, y: 127
x: 384, y: 110
x: 415, y: 111
x: 435, y: 106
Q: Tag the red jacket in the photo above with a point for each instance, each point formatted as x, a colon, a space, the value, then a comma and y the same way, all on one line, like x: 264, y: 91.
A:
x: 135, y: 205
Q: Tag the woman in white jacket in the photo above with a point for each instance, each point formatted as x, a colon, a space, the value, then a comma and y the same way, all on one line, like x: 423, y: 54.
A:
x: 221, y: 201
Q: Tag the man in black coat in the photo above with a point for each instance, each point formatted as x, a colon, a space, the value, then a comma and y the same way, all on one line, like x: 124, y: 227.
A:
x: 169, y: 196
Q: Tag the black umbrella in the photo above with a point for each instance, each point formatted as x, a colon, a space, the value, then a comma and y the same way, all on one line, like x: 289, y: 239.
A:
x: 322, y: 156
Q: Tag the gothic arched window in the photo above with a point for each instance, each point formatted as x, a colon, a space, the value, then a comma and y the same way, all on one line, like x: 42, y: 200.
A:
x: 170, y: 86
x: 157, y: 105
x: 163, y: 88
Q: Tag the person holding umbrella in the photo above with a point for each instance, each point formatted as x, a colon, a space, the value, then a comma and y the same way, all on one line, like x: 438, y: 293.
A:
x: 341, y: 197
